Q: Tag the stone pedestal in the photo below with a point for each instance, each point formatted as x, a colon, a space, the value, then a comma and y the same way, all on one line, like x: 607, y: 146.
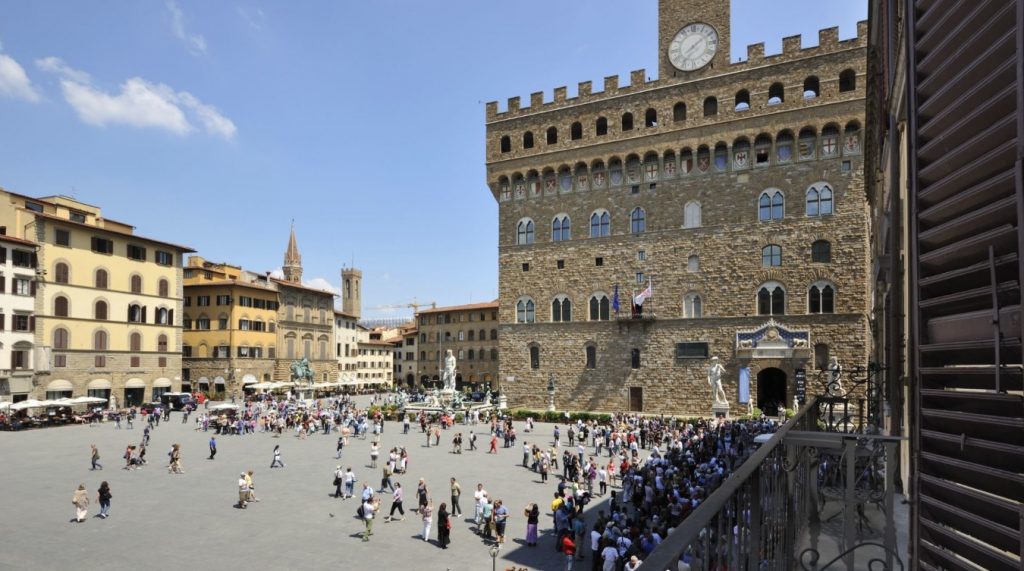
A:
x: 551, y: 403
x: 720, y: 410
x: 502, y: 402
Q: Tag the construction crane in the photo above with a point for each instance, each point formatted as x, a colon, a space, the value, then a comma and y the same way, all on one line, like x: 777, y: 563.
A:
x: 415, y: 305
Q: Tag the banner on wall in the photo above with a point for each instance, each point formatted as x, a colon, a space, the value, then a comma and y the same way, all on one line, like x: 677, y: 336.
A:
x: 744, y: 385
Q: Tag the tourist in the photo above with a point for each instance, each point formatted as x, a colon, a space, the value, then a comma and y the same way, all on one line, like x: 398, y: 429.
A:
x: 478, y: 498
x: 385, y: 481
x: 277, y: 457
x: 396, y: 503
x: 500, y: 519
x: 81, y: 502
x: 103, y: 496
x: 338, y: 479
x: 633, y: 564
x: 341, y: 445
x: 532, y: 514
x: 444, y: 527
x: 494, y: 443
x: 487, y: 517
x: 374, y: 454
x: 527, y: 452
x: 369, y: 508
x: 456, y: 494
x: 243, y: 491
x: 568, y: 547
x: 609, y: 555
x: 579, y: 529
x: 213, y: 447
x: 175, y: 467
x: 350, y: 482
x: 95, y: 458
x: 472, y: 441
x: 421, y: 494
x: 252, y: 487
x: 437, y: 435
x: 427, y: 512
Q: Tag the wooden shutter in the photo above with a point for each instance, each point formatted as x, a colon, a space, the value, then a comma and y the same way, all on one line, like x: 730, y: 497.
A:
x: 3, y: 284
x: 32, y: 323
x: 967, y: 239
x: 32, y: 287
x: 2, y: 318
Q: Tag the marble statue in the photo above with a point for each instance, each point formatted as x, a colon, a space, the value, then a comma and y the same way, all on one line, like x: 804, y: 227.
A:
x: 435, y: 398
x: 835, y: 378
x: 488, y: 397
x: 448, y: 376
x: 457, y: 401
x: 715, y: 371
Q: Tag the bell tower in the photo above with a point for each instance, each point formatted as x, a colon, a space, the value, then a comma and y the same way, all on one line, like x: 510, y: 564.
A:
x: 693, y: 38
x: 292, y: 267
x: 351, y: 291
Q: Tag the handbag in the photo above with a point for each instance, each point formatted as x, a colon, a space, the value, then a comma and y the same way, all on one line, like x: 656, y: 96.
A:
x: 337, y: 480
x: 448, y: 524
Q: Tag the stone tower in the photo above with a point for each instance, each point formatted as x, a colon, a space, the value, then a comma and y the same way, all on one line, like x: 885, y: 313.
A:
x: 351, y: 294
x: 693, y: 38
x: 292, y: 267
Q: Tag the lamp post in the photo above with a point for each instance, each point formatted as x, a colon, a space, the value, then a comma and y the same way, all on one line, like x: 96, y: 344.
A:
x: 494, y: 557
x: 551, y: 392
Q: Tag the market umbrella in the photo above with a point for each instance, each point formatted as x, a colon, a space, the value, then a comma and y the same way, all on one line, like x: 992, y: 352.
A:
x: 30, y: 403
x: 224, y: 406
x: 5, y: 404
x: 88, y: 400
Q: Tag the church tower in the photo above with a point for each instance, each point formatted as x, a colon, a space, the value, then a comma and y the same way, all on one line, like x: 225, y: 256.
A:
x: 292, y: 267
x: 693, y: 38
x: 351, y: 291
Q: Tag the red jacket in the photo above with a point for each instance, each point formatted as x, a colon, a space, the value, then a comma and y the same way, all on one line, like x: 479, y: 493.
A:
x: 568, y: 546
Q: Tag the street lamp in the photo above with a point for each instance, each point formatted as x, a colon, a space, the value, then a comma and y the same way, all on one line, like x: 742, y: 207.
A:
x: 494, y: 556
x: 551, y: 392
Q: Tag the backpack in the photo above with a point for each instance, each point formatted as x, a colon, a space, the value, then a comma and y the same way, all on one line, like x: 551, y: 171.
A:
x: 359, y: 512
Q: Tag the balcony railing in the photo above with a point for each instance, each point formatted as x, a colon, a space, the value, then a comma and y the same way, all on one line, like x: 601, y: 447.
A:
x: 776, y: 511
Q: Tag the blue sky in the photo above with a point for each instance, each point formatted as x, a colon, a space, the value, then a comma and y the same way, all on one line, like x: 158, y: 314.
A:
x: 214, y: 124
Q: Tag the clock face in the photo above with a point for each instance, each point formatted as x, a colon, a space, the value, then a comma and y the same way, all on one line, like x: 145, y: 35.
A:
x: 693, y: 47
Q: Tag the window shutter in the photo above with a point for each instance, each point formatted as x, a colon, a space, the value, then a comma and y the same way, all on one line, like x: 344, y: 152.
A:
x: 35, y: 260
x: 32, y: 287
x: 3, y: 284
x: 2, y: 316
x: 3, y: 255
x: 170, y: 317
x: 143, y: 314
x: 32, y: 322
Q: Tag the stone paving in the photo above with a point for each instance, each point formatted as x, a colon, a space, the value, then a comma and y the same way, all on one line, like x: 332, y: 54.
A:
x: 163, y: 521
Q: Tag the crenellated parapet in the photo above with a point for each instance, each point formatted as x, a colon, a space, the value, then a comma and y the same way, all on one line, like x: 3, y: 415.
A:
x: 793, y: 50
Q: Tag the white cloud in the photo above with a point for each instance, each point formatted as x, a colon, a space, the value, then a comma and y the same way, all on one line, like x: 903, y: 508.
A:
x: 194, y: 43
x: 324, y: 284
x: 277, y: 274
x: 253, y: 17
x: 14, y: 82
x: 140, y: 103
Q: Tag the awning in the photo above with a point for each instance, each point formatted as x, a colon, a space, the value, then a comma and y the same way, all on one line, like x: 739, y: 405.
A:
x: 249, y: 380
x: 161, y: 383
x: 218, y: 380
x: 204, y: 381
x: 59, y: 385
x: 135, y: 384
x: 99, y: 384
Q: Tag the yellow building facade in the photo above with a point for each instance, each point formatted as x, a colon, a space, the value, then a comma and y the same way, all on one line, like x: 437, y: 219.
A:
x: 229, y: 328
x: 108, y: 302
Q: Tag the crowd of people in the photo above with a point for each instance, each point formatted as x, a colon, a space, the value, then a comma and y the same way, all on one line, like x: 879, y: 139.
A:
x: 650, y: 473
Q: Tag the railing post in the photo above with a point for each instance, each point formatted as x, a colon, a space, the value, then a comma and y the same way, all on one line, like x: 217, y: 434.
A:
x: 754, y: 538
x: 850, y: 500
x: 890, y: 501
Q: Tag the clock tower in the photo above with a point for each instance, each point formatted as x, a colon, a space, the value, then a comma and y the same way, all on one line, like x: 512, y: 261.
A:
x: 693, y: 38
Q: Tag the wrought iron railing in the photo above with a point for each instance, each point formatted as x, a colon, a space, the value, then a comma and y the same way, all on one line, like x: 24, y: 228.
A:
x: 768, y: 515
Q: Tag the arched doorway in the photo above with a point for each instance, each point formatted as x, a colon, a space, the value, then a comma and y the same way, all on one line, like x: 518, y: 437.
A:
x: 458, y: 381
x: 771, y: 391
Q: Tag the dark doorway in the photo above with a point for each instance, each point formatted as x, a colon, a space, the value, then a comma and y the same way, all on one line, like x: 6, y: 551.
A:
x: 636, y: 399
x: 771, y: 391
x: 133, y: 397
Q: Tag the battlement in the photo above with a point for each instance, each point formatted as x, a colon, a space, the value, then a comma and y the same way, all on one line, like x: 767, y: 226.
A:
x: 792, y: 49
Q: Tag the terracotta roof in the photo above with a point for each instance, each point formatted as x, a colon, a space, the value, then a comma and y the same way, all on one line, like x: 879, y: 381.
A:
x: 393, y: 340
x: 229, y: 283
x: 110, y: 231
x: 343, y: 314
x: 467, y: 307
x: 14, y: 240
x: 300, y: 286
x: 375, y: 342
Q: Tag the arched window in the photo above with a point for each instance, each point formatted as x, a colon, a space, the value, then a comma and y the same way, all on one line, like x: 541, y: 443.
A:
x: 651, y: 118
x: 506, y: 144
x: 524, y: 232
x: 591, y: 355
x: 851, y: 138
x: 60, y: 306
x: 691, y: 215
x: 483, y: 335
x: 819, y: 200
x: 525, y: 311
x: 771, y: 299
x: 762, y: 150
x: 494, y: 334
x: 679, y: 112
x: 560, y: 228
x: 136, y: 284
x: 61, y: 274
x: 162, y: 316
x: 771, y: 256
x: 721, y: 157
x: 136, y: 313
x: 710, y: 107
x: 135, y: 342
x: 784, y: 147
x: 100, y: 310
x: 770, y: 206
x: 830, y: 140
x: 600, y: 224
x: 742, y: 100
x: 821, y: 252
x: 163, y: 288
x: 528, y: 140
x: 99, y: 341
x: 847, y: 80
x: 601, y: 129
x: 811, y: 88
x: 60, y: 338
x: 534, y: 356
x: 101, y: 279
x: 161, y: 343
x: 776, y: 94
x: 472, y: 354
x: 561, y: 309
x: 552, y: 135
x: 693, y: 263
x: 638, y: 221
x: 600, y: 307
x: 693, y: 306
x: 821, y: 298
x: 627, y: 121
x: 494, y: 354
x: 806, y: 142
x: 576, y: 131
x: 471, y: 334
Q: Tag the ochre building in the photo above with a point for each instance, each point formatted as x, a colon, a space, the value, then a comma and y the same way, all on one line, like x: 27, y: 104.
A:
x: 471, y: 333
x: 731, y: 192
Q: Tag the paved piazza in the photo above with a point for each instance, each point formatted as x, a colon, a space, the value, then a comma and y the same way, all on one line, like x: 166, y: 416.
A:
x: 163, y: 521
